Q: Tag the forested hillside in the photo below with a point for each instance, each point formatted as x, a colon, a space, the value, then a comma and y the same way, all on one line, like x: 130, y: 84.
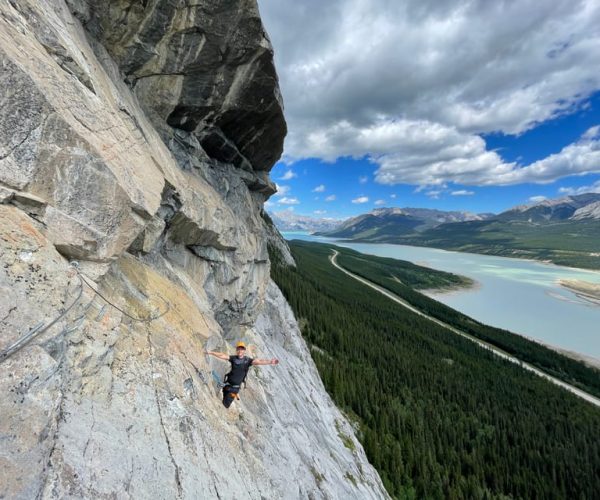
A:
x: 400, y: 272
x: 565, y: 242
x: 402, y: 278
x: 438, y: 416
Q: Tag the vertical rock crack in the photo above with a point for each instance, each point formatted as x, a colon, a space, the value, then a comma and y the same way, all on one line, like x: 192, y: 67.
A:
x: 162, y: 423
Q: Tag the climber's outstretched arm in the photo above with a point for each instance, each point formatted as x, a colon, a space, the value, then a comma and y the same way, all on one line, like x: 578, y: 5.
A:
x: 265, y: 362
x: 219, y: 355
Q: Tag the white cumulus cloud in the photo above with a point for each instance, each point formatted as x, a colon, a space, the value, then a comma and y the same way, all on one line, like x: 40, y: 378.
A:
x: 319, y: 189
x: 570, y: 191
x: 331, y: 197
x: 537, y: 199
x: 434, y: 194
x: 282, y: 190
x: 289, y: 174
x: 453, y: 157
x: 380, y: 202
x: 462, y: 192
x: 412, y: 85
x: 361, y: 199
x: 288, y: 201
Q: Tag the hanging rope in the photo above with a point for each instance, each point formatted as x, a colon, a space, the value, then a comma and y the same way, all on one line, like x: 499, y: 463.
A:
x: 38, y: 329
x: 133, y: 318
x: 41, y: 327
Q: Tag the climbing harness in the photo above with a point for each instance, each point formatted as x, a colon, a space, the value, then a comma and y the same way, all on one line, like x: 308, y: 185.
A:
x: 246, y: 369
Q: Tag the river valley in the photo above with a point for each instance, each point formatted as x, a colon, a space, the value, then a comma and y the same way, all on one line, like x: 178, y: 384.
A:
x: 525, y: 297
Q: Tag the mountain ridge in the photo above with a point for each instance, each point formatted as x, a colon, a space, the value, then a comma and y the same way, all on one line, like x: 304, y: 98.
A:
x: 287, y: 220
x: 535, y: 231
x: 551, y: 209
x: 386, y: 222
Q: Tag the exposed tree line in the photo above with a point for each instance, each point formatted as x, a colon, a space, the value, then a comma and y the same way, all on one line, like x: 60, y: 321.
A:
x: 413, y: 275
x: 517, y: 238
x: 439, y: 417
x: 542, y: 241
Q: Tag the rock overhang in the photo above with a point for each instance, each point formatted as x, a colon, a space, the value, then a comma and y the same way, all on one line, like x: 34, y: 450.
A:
x: 205, y: 68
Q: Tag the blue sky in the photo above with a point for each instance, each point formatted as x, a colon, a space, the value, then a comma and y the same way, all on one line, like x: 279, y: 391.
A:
x: 454, y: 105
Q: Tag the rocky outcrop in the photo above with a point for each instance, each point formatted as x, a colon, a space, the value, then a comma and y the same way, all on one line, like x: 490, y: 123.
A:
x: 590, y: 211
x: 136, y: 138
x: 205, y: 68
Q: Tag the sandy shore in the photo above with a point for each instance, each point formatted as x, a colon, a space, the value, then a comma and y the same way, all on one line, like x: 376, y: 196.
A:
x: 433, y: 292
x: 583, y: 289
x: 586, y: 360
x: 589, y: 292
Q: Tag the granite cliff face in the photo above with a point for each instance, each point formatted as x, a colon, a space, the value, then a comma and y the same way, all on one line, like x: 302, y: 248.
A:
x: 136, y: 138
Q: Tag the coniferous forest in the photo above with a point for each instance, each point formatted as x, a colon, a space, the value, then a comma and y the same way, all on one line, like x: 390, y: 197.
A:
x: 438, y: 416
x: 403, y: 278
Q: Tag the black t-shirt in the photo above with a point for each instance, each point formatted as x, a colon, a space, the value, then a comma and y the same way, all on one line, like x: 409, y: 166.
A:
x: 239, y: 368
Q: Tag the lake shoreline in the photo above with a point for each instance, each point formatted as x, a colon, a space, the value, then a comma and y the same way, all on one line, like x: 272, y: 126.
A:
x: 451, y: 289
x: 490, y: 254
x: 582, y: 289
x: 589, y: 361
x: 515, y: 294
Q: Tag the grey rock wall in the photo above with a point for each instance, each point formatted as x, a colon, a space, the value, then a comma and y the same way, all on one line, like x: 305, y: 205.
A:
x: 116, y: 399
x: 201, y: 67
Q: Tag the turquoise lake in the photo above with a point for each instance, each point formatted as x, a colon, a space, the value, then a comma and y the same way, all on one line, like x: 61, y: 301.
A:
x: 519, y: 295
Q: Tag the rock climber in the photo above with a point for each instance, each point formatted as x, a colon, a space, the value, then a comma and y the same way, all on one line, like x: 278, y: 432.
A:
x: 240, y: 364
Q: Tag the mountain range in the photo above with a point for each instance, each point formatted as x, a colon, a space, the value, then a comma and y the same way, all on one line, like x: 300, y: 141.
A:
x: 383, y: 223
x: 286, y: 220
x: 583, y: 206
x: 565, y: 230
